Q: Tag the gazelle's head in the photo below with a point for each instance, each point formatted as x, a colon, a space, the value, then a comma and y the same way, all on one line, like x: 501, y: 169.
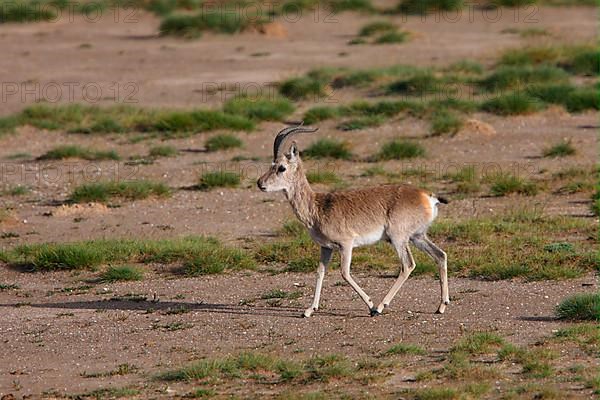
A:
x: 286, y: 166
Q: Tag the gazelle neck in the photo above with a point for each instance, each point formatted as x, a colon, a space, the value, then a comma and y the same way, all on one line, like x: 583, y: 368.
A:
x: 302, y: 199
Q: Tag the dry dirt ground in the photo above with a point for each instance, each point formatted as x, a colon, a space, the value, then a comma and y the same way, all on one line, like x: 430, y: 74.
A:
x: 51, y: 338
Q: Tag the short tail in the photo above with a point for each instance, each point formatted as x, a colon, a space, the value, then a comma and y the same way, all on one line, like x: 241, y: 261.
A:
x: 442, y: 200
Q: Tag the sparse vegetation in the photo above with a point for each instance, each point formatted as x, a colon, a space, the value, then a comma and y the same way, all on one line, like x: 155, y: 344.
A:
x: 74, y: 151
x: 580, y: 307
x: 399, y: 150
x: 162, y: 151
x: 402, y: 348
x: 328, y: 148
x: 426, y: 6
x: 503, y: 184
x: 562, y: 149
x: 78, y: 118
x: 122, y: 273
x: 215, y: 179
x: 259, y: 109
x: 319, y: 176
x: 103, y: 192
x: 511, y: 104
x: 197, y: 255
x: 223, y: 142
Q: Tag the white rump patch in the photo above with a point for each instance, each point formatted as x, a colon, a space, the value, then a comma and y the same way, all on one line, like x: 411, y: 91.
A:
x: 434, y: 210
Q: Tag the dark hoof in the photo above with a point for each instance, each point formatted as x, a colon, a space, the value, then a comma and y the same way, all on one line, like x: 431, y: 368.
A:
x: 374, y: 312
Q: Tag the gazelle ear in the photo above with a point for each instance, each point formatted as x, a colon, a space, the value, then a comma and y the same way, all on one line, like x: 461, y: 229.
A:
x: 293, y: 155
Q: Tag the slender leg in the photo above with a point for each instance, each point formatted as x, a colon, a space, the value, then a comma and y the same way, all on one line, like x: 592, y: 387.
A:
x: 346, y: 252
x: 439, y: 256
x: 323, y: 263
x: 407, y: 266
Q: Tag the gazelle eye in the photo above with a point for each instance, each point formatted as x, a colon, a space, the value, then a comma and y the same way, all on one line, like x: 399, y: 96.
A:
x: 281, y: 169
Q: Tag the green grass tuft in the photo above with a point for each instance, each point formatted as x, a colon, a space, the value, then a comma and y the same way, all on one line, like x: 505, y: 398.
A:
x: 162, y: 151
x: 212, y: 255
x: 223, y: 142
x: 211, y: 180
x: 302, y: 88
x: 515, y: 103
x: 402, y: 348
x: 328, y: 148
x: 392, y: 37
x: 399, y: 150
x: 192, y: 26
x: 580, y: 307
x: 519, y: 77
x: 377, y: 27
x: 445, y: 122
x: 351, y: 5
x: 259, y: 109
x: 325, y: 177
x: 122, y: 273
x: 562, y: 149
x: 359, y: 123
x: 503, y: 184
x: 74, y: 151
x: 104, y: 192
x: 423, y: 7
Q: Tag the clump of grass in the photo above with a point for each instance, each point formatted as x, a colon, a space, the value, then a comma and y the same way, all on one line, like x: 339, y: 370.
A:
x: 503, y: 184
x: 361, y: 123
x: 392, y: 38
x: 377, y: 27
x: 491, y: 243
x: 562, y: 149
x: 215, y: 179
x: 582, y: 99
x: 78, y: 118
x: 580, y: 307
x: 403, y: 348
x: 197, y: 254
x: 320, y: 113
x: 422, y: 83
x: 328, y: 148
x: 192, y: 26
x: 479, y: 343
x: 515, y: 103
x: 223, y: 142
x: 514, y: 77
x: 302, y: 88
x: 399, y: 150
x: 23, y: 11
x: 18, y: 190
x: 465, y: 67
x: 426, y: 6
x: 512, y: 3
x: 74, y: 151
x: 162, y: 151
x: 122, y: 273
x: 260, y: 109
x: 351, y: 5
x: 325, y: 177
x: 584, y: 62
x: 445, y: 122
x: 324, y: 368
x: 104, y: 192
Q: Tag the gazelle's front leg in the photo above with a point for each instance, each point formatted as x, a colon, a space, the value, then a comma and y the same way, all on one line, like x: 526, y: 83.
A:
x: 323, y: 263
x: 346, y: 252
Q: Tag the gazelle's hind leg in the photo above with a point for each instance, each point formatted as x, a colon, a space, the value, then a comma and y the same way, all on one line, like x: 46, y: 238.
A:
x: 422, y: 242
x: 407, y: 265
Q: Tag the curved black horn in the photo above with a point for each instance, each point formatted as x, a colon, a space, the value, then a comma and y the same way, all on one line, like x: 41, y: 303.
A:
x: 285, y: 134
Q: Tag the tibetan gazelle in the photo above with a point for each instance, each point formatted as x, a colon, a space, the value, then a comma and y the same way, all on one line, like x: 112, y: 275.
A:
x: 343, y: 220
